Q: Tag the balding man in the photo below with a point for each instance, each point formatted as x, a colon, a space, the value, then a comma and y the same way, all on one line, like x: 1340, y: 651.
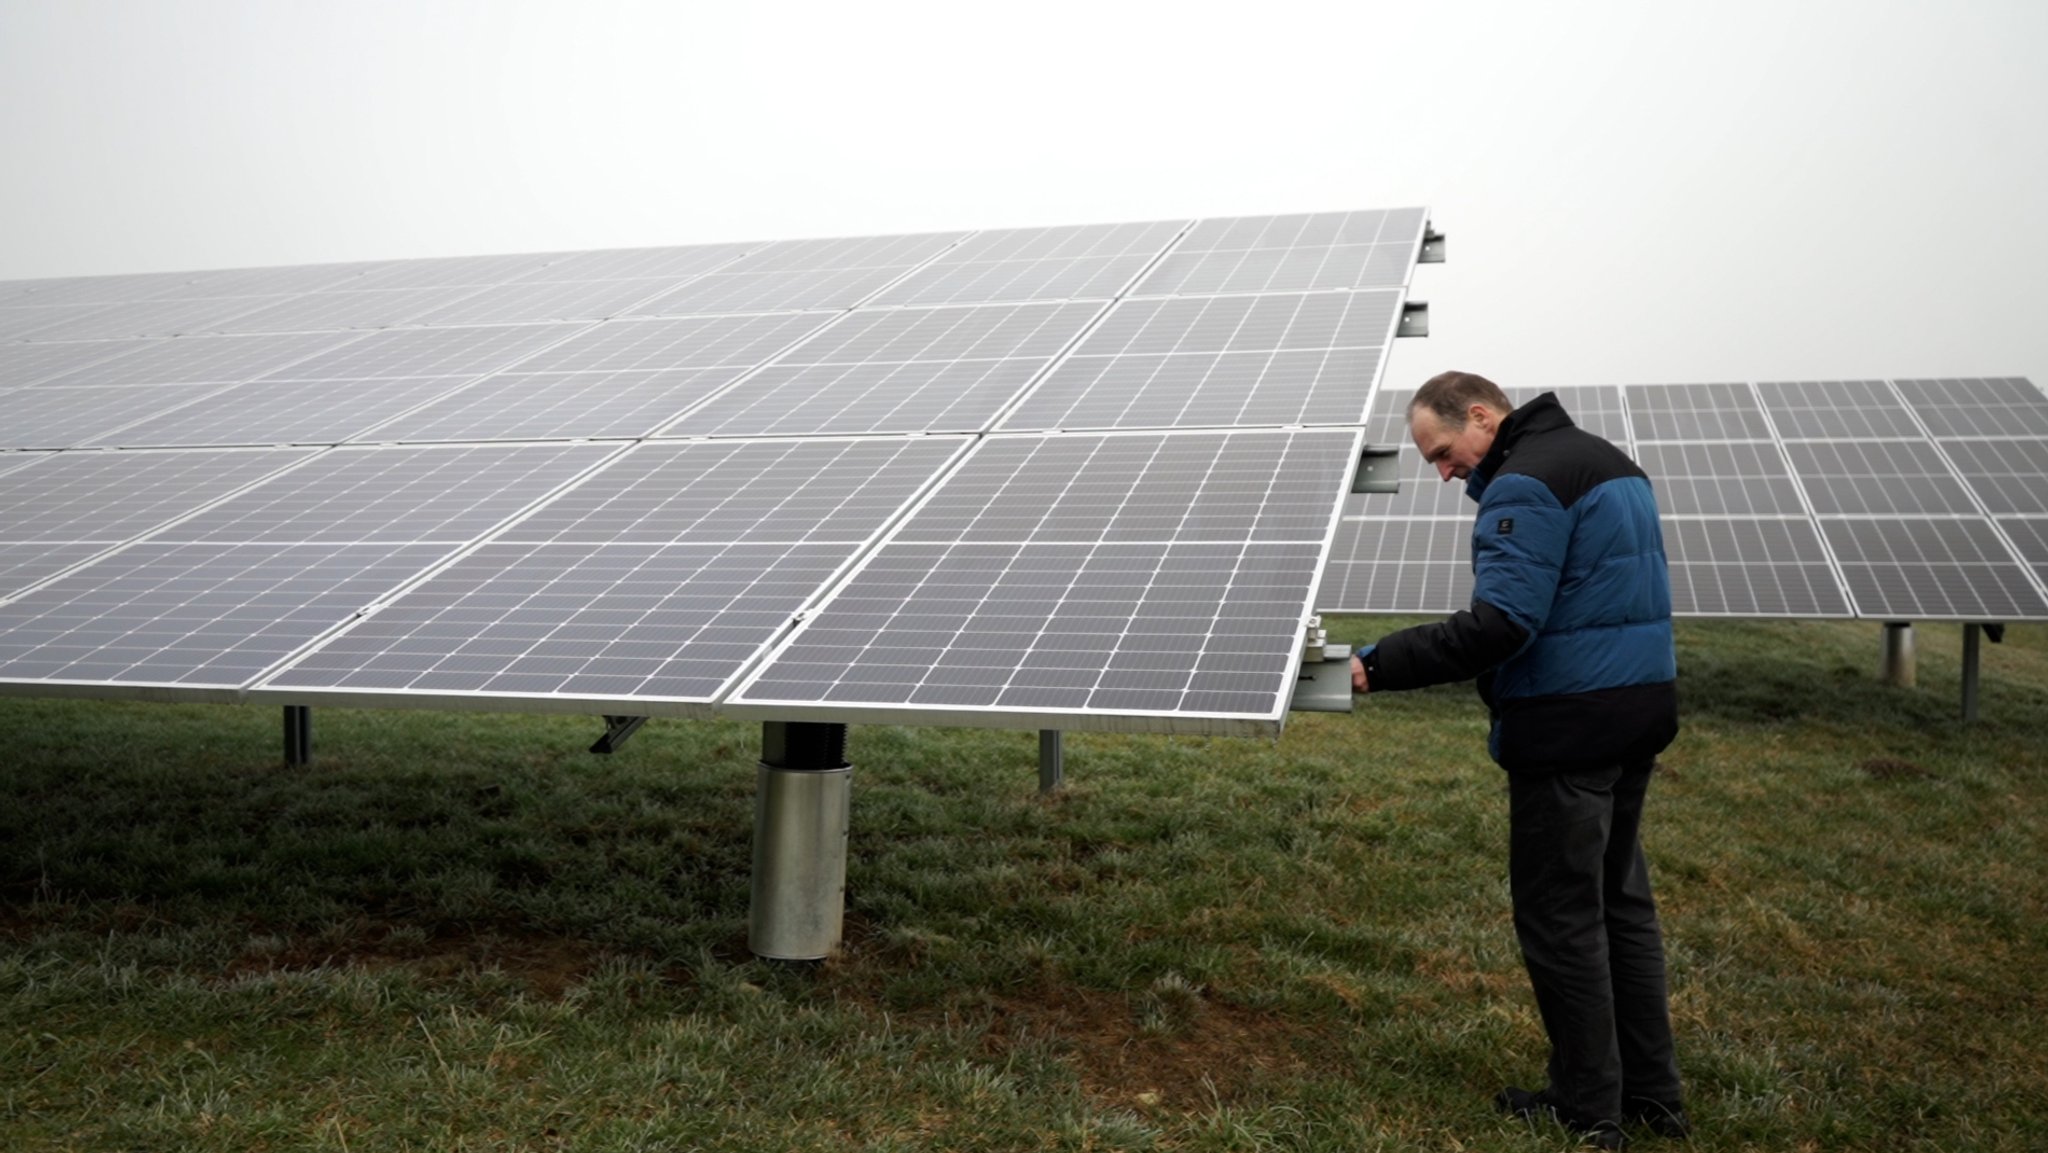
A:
x: 1569, y: 635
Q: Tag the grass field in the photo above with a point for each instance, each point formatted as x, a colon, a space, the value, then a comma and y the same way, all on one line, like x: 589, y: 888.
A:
x: 462, y: 931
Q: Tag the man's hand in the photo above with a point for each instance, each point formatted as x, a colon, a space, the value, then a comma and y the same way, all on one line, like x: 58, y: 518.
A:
x: 1358, y: 684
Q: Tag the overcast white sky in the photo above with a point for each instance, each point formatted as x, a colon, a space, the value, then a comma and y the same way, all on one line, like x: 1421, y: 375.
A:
x: 1633, y: 192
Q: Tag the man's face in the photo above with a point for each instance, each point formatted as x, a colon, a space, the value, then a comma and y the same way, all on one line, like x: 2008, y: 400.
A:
x: 1454, y: 452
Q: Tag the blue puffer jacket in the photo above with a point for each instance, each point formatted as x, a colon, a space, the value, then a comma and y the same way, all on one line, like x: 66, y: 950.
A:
x: 1569, y: 633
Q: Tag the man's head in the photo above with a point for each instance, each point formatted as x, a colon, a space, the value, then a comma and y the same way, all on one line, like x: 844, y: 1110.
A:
x: 1453, y: 419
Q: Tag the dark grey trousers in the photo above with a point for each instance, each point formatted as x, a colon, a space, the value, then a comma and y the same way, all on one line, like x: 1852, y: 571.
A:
x: 1589, y: 935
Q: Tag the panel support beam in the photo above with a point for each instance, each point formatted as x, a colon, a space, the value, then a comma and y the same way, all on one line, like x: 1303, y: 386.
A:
x: 298, y: 734
x: 1898, y: 668
x: 617, y: 731
x: 802, y: 804
x: 1052, y: 763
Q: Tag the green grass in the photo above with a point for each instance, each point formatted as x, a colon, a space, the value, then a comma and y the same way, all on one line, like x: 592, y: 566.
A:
x: 464, y: 932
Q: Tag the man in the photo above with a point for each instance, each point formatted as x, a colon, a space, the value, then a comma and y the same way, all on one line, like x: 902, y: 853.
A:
x: 1569, y: 635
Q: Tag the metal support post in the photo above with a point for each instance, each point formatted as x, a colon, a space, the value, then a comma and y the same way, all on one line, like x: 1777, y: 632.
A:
x: 1972, y: 640
x: 1898, y: 654
x: 298, y: 734
x: 802, y: 804
x: 617, y: 731
x: 1052, y: 763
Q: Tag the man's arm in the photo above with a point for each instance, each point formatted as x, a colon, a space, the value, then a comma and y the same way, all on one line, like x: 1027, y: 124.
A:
x: 1458, y: 648
x: 1518, y: 549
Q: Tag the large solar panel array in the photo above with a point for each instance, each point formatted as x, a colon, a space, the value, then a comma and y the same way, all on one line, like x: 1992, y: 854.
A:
x: 1892, y: 500
x: 1070, y: 477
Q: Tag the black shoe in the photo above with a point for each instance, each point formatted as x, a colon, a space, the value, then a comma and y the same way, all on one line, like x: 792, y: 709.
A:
x: 1664, y: 1118
x: 1598, y: 1132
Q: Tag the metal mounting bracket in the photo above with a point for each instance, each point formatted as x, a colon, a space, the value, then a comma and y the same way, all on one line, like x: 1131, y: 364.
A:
x: 1324, y: 686
x: 617, y: 731
x: 1379, y: 470
x: 1414, y: 319
x: 1432, y: 246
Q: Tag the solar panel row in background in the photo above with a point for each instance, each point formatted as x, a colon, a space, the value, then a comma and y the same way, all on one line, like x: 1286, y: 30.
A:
x: 1895, y: 500
x: 610, y: 481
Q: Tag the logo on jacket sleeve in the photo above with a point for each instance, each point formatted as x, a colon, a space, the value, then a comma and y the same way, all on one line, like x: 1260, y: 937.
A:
x: 1506, y: 527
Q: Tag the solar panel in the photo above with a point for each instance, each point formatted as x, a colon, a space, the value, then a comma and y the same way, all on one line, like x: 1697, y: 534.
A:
x: 270, y: 412
x: 277, y: 282
x: 201, y: 359
x: 636, y: 263
x: 1220, y: 361
x: 744, y: 492
x: 1837, y: 410
x: 467, y: 351
x: 690, y: 342
x: 91, y: 289
x: 205, y: 618
x: 111, y: 497
x: 156, y: 318
x: 1076, y: 262
x: 467, y: 524
x: 897, y: 370
x: 1695, y: 412
x: 2029, y: 536
x: 566, y: 300
x: 444, y: 493
x: 441, y: 272
x: 327, y: 311
x: 1750, y: 568
x: 1931, y: 569
x: 1736, y: 478
x: 1877, y: 478
x: 68, y: 417
x: 556, y: 406
x: 23, y: 323
x: 2009, y: 476
x: 1400, y: 566
x: 802, y: 274
x: 656, y: 581
x: 1150, y: 581
x: 1291, y: 254
x: 1999, y: 406
x: 23, y: 365
x: 22, y: 565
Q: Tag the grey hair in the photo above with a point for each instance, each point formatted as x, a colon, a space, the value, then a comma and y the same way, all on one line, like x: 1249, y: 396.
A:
x: 1448, y: 395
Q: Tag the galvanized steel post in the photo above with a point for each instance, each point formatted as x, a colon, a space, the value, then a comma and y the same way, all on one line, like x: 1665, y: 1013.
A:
x: 802, y: 804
